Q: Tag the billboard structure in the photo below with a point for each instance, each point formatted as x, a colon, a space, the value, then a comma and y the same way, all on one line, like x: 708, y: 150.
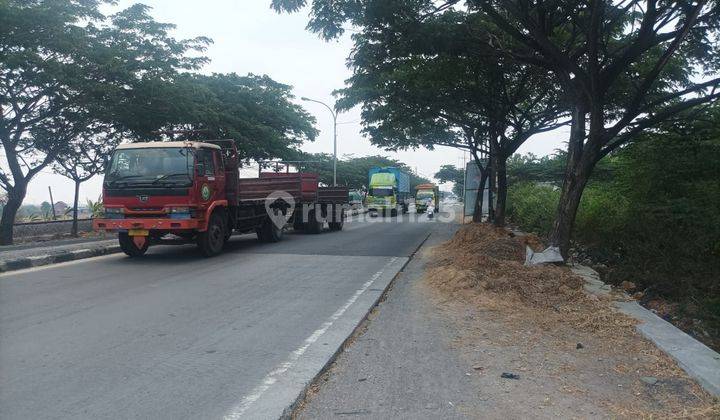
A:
x: 472, y: 185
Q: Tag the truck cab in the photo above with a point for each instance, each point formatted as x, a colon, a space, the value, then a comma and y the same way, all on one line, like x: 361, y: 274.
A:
x: 388, y: 191
x: 425, y: 195
x: 154, y: 188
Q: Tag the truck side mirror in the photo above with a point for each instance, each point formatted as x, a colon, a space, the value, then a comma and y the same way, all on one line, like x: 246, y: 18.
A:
x: 200, y: 168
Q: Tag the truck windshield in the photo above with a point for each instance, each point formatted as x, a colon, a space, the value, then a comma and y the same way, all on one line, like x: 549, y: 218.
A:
x: 151, y: 165
x: 381, y: 192
x: 424, y: 194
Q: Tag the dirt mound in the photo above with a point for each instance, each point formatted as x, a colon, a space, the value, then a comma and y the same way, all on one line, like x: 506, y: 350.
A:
x: 539, y: 321
x: 485, y: 263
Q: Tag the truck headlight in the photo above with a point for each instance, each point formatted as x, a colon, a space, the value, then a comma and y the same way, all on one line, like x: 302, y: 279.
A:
x: 183, y: 212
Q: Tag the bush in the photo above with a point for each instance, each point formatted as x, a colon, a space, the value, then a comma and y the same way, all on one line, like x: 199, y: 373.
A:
x: 532, y: 206
x: 653, y: 218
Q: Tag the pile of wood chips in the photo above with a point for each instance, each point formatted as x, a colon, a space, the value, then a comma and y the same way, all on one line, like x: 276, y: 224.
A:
x: 485, y: 263
x: 482, y: 266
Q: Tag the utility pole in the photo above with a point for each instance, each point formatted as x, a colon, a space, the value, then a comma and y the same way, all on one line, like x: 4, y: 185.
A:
x: 52, y: 203
x: 334, y: 115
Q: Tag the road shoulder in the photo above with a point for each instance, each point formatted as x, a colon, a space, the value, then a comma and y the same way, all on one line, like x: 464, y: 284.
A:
x: 425, y: 353
x: 400, y: 362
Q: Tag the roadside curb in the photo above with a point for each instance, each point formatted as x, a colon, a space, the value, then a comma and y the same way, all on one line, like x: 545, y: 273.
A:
x: 695, y: 358
x: 291, y: 410
x: 40, y: 260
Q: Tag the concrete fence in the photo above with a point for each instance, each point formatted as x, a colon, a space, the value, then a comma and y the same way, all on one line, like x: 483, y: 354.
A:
x: 31, y: 230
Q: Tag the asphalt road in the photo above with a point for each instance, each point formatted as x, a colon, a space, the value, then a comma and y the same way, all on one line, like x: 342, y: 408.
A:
x: 175, y: 335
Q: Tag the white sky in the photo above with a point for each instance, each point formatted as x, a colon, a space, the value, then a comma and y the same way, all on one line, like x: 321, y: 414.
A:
x: 249, y: 37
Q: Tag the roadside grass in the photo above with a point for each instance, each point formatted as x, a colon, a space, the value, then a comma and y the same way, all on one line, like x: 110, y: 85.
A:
x: 572, y: 347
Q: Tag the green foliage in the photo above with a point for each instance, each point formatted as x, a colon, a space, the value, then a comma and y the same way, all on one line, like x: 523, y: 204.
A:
x: 451, y: 173
x: 655, y: 221
x: 256, y: 111
x: 551, y: 169
x: 95, y: 207
x: 66, y: 69
x: 352, y: 171
x: 533, y: 206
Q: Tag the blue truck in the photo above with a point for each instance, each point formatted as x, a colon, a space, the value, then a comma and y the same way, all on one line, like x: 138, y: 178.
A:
x: 388, y: 191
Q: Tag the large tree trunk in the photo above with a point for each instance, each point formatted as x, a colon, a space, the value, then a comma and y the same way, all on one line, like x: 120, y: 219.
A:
x: 577, y: 172
x: 16, y: 195
x: 479, y: 199
x: 491, y: 187
x: 74, y: 230
x: 501, y: 199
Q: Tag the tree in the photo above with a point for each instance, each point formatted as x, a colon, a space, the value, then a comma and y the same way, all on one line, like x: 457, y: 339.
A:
x: 84, y: 158
x: 352, y: 171
x: 63, y: 59
x: 256, y: 111
x: 429, y: 76
x: 626, y: 66
x: 451, y: 173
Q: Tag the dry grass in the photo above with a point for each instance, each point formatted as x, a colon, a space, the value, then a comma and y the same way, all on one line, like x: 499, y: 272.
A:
x: 486, y: 264
x: 546, y: 310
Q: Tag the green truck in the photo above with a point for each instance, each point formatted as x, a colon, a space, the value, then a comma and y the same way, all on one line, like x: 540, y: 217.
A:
x: 426, y: 194
x: 389, y: 191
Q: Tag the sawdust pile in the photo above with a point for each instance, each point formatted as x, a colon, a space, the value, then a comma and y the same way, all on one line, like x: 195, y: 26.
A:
x: 485, y: 264
x: 574, y: 343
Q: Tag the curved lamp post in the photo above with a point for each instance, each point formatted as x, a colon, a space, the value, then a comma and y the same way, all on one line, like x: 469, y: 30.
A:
x: 334, y: 115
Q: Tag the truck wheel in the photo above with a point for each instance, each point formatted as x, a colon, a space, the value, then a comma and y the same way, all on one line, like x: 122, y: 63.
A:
x: 313, y: 226
x: 128, y: 246
x: 337, y: 225
x: 297, y: 222
x: 268, y: 232
x: 212, y: 240
x: 393, y: 213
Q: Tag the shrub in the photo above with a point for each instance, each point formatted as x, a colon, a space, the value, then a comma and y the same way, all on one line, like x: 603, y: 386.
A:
x: 532, y: 206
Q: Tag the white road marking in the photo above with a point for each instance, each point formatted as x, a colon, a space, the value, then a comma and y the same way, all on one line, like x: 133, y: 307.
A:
x: 272, y: 377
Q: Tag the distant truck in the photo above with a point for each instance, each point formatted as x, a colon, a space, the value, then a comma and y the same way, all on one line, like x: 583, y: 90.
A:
x: 191, y: 192
x: 355, y: 199
x: 388, y: 191
x: 426, y: 194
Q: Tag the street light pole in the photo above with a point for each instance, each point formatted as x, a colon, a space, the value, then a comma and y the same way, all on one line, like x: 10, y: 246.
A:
x: 334, y: 115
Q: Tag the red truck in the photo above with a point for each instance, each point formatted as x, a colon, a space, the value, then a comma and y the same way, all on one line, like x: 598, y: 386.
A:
x: 186, y: 191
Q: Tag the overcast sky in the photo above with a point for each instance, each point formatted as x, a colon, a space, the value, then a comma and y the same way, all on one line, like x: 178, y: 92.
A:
x: 251, y: 38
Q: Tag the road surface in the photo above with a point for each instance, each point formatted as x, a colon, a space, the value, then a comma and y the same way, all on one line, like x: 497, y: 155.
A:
x: 174, y: 335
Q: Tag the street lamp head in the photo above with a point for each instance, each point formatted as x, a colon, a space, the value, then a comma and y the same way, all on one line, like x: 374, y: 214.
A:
x: 302, y: 98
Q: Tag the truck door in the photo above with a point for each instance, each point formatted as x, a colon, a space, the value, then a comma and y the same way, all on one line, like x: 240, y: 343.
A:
x: 208, y: 176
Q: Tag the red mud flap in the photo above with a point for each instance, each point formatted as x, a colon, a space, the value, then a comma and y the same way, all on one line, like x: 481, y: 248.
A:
x: 139, y: 241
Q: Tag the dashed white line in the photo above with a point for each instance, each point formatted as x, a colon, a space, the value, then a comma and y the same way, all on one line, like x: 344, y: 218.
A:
x: 272, y: 377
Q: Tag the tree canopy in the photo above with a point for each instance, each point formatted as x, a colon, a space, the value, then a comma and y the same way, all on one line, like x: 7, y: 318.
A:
x: 256, y: 111
x: 352, y: 171
x: 622, y: 67
x: 64, y: 65
x: 453, y: 174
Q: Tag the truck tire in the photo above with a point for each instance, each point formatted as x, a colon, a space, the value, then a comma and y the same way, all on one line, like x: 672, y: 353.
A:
x: 297, y: 222
x: 127, y: 245
x: 211, y: 241
x: 313, y: 226
x: 393, y: 213
x: 269, y: 233
x: 337, y: 225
